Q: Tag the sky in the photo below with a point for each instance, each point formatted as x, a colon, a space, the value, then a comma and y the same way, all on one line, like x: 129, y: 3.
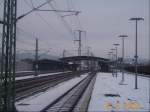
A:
x: 103, y: 21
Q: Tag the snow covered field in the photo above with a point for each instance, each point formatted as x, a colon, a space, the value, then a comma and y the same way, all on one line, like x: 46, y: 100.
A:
x: 109, y: 95
x: 37, y: 102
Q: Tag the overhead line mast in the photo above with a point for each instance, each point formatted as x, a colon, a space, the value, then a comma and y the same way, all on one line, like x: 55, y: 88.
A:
x: 79, y: 40
x: 7, y: 76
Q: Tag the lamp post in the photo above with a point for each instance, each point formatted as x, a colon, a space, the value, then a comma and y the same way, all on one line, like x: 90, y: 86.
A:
x: 88, y: 53
x: 136, y: 19
x: 112, y: 51
x: 111, y: 60
x: 116, y: 48
x: 111, y: 57
x: 123, y: 53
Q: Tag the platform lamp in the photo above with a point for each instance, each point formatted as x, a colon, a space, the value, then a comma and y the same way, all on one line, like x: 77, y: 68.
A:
x: 111, y: 58
x: 123, y: 54
x: 136, y: 19
x: 116, y: 48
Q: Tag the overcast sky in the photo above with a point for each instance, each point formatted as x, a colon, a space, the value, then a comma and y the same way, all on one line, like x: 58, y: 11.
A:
x: 103, y: 20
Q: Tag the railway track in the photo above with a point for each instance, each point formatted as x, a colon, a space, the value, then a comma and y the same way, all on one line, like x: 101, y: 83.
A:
x: 28, y: 87
x: 28, y: 73
x: 68, y: 101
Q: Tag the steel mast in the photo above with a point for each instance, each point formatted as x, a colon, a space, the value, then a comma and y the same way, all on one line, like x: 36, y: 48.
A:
x: 7, y: 76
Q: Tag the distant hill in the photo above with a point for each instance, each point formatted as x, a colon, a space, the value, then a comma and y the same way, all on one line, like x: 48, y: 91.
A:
x: 20, y: 56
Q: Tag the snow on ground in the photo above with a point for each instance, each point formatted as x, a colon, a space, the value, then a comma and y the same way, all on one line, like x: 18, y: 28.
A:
x: 40, y: 101
x: 23, y: 71
x: 40, y: 75
x: 127, y: 98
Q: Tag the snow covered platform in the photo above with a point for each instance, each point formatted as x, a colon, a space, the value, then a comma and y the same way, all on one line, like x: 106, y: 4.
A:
x: 109, y: 95
x: 39, y: 101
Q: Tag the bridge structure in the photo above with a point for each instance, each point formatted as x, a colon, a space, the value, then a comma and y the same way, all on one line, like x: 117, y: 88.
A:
x: 87, y: 62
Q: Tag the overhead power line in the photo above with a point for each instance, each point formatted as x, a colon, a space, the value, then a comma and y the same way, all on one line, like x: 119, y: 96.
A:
x: 62, y: 19
x: 71, y: 6
x: 27, y: 13
x: 44, y: 20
